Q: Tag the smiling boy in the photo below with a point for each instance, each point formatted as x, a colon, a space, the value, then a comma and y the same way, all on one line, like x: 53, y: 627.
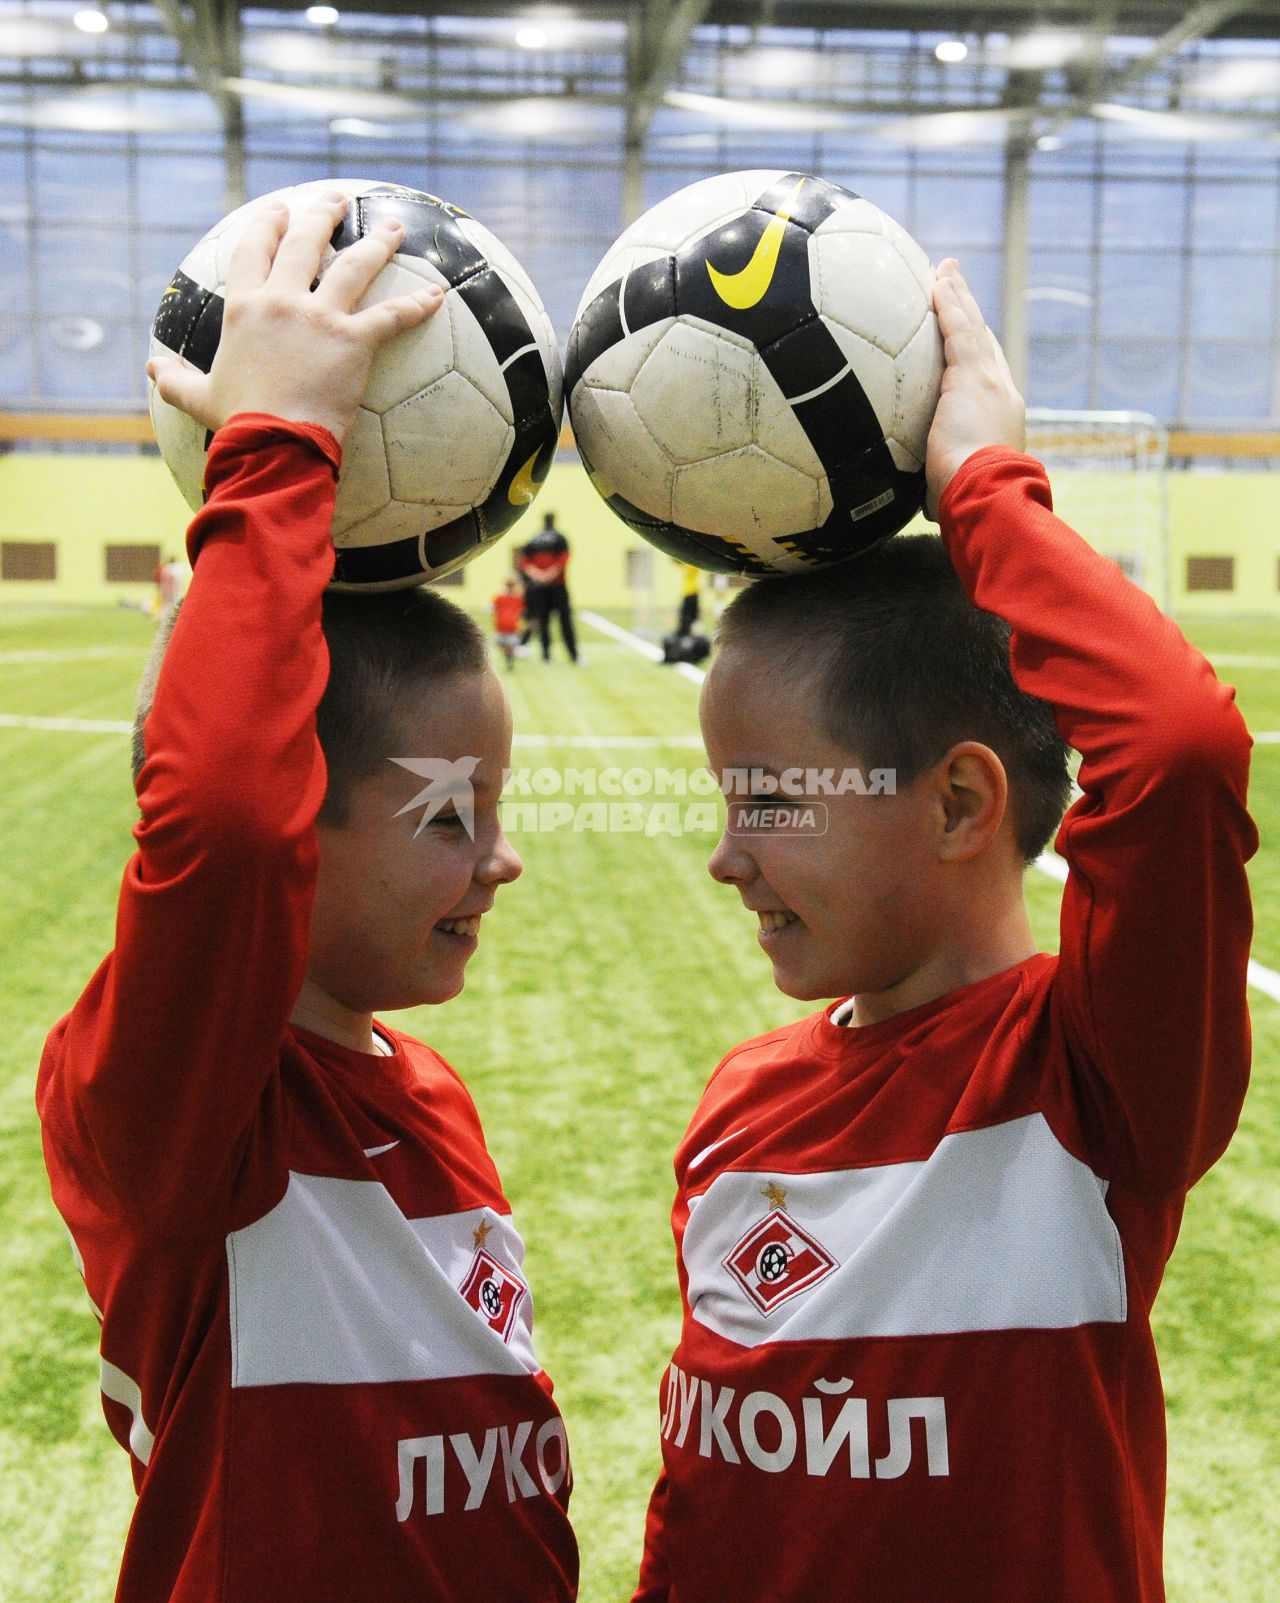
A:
x: 919, y: 1233
x: 316, y: 1334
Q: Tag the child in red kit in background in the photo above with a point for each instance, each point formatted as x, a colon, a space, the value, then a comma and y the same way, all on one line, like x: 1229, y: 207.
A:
x: 919, y: 1234
x: 508, y: 609
x: 316, y: 1335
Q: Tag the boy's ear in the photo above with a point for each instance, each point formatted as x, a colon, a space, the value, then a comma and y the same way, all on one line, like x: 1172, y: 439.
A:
x: 973, y: 794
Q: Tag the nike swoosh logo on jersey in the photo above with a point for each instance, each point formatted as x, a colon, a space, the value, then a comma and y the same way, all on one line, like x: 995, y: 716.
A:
x: 707, y: 1151
x: 749, y: 286
x: 376, y: 1152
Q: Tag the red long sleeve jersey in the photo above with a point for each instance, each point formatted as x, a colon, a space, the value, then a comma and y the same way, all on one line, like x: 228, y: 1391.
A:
x: 316, y: 1333
x: 918, y: 1257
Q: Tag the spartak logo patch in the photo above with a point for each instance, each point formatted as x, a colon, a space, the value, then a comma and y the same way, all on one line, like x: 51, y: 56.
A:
x: 493, y: 1290
x: 777, y: 1259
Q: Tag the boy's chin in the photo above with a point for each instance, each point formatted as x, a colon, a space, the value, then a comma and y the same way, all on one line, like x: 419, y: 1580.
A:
x: 428, y: 990
x: 439, y: 988
x: 804, y: 987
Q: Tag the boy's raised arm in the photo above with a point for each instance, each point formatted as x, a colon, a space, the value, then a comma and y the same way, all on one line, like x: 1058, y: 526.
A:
x: 1156, y: 918
x: 162, y: 1074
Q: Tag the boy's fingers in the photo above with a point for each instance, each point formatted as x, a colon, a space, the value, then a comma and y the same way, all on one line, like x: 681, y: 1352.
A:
x: 298, y: 258
x: 252, y: 258
x: 179, y: 383
x: 354, y: 269
x: 398, y: 315
x: 1001, y: 360
x: 958, y: 333
x: 965, y: 297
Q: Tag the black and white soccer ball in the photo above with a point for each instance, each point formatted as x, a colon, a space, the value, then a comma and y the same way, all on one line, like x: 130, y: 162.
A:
x: 752, y: 374
x: 459, y: 422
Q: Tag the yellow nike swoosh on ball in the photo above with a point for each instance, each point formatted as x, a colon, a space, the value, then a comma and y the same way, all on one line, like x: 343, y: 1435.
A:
x: 748, y: 287
x: 523, y: 489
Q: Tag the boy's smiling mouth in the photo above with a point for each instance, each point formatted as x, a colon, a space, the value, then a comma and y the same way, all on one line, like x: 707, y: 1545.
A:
x: 461, y: 926
x: 772, y: 919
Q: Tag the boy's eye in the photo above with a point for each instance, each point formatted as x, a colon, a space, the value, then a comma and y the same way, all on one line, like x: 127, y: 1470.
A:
x: 450, y: 820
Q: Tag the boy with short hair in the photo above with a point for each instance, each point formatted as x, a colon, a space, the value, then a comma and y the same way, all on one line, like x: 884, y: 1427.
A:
x: 919, y: 1234
x: 316, y: 1334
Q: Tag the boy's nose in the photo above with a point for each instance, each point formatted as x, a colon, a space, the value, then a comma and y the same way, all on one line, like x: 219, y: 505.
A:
x: 502, y: 864
x: 729, y: 862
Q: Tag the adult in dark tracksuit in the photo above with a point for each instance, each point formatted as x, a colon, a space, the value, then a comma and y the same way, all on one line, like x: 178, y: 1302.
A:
x: 543, y: 563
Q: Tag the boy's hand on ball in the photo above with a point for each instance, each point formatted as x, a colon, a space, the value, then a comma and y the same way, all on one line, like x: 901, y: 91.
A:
x: 291, y: 347
x: 980, y: 404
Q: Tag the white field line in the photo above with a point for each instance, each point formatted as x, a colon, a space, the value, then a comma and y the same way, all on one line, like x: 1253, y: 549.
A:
x: 1261, y: 978
x: 1051, y: 864
x: 646, y: 648
x: 120, y: 726
x: 1233, y: 659
x: 77, y: 726
x: 623, y: 742
x: 79, y: 654
x: 1265, y: 980
x: 1266, y: 737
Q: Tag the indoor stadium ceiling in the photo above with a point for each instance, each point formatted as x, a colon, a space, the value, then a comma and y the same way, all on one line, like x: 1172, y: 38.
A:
x: 945, y: 72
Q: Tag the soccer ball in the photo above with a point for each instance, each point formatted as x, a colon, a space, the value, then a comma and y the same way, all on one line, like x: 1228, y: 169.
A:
x: 752, y: 373
x: 459, y: 422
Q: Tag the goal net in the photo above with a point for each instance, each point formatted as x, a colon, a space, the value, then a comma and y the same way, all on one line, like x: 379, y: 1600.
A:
x: 1109, y: 472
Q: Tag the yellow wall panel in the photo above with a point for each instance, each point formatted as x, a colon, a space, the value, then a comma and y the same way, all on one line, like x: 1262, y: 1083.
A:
x: 86, y: 502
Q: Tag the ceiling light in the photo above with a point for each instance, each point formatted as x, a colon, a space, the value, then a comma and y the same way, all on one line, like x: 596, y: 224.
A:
x: 1050, y: 142
x: 91, y: 20
x: 758, y: 114
x: 1180, y: 125
x: 1240, y: 80
x: 542, y: 117
x: 776, y: 67
x: 941, y: 130
x: 531, y: 38
x: 951, y: 50
x: 101, y: 110
x: 359, y: 128
x: 327, y: 100
x: 322, y: 16
x: 1042, y: 50
x: 1063, y: 297
x: 310, y: 54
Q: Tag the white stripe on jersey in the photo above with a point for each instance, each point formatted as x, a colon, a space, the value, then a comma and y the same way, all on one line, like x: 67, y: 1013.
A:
x: 123, y: 1389
x: 999, y: 1229
x: 336, y: 1287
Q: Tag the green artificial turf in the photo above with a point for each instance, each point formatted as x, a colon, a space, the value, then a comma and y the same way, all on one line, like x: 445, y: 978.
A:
x: 611, y: 978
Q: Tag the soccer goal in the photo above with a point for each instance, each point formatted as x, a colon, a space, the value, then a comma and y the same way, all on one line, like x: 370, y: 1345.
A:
x: 1110, y: 481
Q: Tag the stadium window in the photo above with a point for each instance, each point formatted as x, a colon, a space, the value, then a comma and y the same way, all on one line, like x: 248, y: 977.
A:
x: 28, y: 559
x: 1211, y: 573
x: 131, y: 564
x: 640, y: 568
